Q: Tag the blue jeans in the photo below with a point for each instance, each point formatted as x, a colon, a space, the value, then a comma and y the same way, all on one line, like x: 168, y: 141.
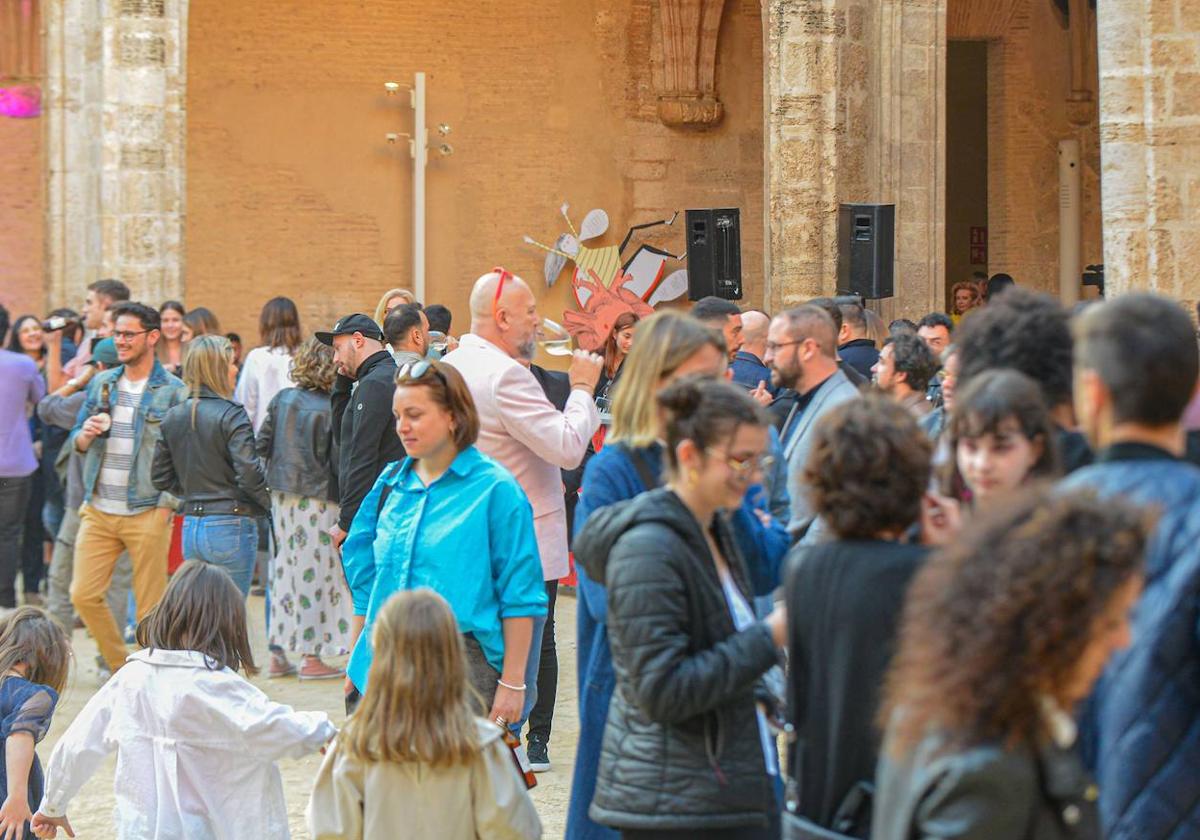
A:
x: 226, y: 541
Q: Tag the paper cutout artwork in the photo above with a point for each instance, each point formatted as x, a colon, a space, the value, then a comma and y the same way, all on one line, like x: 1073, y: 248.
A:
x: 592, y: 327
x: 604, y: 287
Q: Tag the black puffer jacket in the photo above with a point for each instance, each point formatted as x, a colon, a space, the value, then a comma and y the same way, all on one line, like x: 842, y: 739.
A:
x: 681, y: 745
x: 294, y: 443
x: 210, y: 465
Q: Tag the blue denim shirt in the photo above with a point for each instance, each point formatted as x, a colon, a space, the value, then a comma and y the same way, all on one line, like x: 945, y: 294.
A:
x: 163, y: 391
x: 468, y: 536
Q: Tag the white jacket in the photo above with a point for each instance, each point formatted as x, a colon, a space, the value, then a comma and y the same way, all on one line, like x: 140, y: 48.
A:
x: 196, y: 751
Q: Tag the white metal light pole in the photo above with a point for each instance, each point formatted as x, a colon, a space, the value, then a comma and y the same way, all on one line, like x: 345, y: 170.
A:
x: 420, y: 155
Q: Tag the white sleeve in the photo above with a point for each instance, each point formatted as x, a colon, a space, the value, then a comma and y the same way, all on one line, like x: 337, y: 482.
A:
x: 270, y: 730
x: 559, y: 437
x: 246, y: 391
x: 80, y: 751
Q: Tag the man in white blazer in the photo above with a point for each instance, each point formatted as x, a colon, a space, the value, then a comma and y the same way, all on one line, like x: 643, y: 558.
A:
x: 802, y: 354
x: 518, y: 426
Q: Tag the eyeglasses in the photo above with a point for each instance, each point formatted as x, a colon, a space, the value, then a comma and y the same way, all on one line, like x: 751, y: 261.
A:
x: 127, y: 335
x: 414, y: 371
x: 772, y: 347
x: 505, y: 274
x: 744, y: 467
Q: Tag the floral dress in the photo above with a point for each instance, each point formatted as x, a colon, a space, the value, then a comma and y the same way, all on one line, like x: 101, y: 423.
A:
x: 310, y: 604
x: 26, y: 707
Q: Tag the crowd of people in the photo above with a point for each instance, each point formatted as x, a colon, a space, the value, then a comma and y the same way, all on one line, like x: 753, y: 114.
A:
x: 835, y: 578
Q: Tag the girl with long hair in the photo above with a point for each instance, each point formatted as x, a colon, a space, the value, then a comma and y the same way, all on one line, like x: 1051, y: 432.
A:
x: 414, y: 753
x: 1003, y: 636
x: 35, y: 654
x: 196, y: 743
x: 616, y: 349
x: 267, y: 369
x: 309, y: 602
x: 170, y: 343
x: 197, y: 322
x: 206, y: 458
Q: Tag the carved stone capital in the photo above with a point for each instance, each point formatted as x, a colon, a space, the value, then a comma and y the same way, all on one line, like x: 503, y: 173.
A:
x: 687, y: 95
x: 685, y: 110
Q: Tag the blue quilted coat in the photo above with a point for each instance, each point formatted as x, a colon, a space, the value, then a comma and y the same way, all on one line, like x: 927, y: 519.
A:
x: 1141, y: 728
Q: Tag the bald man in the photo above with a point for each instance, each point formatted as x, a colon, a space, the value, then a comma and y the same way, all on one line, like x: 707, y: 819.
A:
x: 748, y: 368
x: 518, y: 426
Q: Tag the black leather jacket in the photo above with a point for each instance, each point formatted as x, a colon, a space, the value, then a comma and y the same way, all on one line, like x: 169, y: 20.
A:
x: 984, y: 792
x: 211, y: 465
x: 681, y: 746
x: 294, y: 443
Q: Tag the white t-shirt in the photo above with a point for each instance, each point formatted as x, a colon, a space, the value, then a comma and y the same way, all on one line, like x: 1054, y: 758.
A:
x: 266, y: 372
x: 112, y: 487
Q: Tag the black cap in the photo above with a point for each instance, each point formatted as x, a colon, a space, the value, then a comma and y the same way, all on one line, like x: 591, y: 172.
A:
x: 349, y: 325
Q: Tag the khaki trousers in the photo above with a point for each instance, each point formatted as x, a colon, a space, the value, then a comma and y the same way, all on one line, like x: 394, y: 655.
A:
x: 101, y: 539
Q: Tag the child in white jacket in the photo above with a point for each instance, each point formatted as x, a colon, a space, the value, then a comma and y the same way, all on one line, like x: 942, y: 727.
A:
x: 196, y: 744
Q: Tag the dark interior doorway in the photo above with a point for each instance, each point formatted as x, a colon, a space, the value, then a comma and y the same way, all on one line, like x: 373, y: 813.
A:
x: 966, y: 162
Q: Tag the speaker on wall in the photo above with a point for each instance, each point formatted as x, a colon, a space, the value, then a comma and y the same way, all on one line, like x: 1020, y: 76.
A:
x: 866, y: 250
x: 714, y: 253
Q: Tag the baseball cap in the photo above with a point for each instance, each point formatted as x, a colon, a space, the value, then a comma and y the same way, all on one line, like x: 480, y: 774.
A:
x: 349, y: 325
x: 105, y: 352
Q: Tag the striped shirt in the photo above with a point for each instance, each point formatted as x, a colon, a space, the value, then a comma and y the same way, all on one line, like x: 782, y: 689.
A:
x: 112, y: 487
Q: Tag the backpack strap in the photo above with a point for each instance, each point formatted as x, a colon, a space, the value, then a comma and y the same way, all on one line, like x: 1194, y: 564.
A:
x: 387, y: 488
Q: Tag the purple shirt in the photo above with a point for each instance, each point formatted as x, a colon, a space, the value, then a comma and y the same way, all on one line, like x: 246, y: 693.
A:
x: 21, y: 386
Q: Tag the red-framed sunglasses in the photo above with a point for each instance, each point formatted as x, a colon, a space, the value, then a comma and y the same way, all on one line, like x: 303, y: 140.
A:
x: 505, y: 275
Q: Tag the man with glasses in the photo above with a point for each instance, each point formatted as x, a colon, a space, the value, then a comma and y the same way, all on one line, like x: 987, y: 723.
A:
x: 120, y: 425
x: 364, y: 435
x: 802, y: 355
x: 518, y: 425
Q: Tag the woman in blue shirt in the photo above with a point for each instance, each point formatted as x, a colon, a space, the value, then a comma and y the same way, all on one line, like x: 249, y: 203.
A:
x: 450, y: 519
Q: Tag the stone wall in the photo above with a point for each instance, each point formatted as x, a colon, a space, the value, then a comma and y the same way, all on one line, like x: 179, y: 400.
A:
x: 293, y: 190
x: 1150, y: 131
x: 22, y: 203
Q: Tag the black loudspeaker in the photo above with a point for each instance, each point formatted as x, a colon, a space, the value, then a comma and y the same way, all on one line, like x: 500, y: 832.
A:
x: 866, y: 250
x: 714, y: 251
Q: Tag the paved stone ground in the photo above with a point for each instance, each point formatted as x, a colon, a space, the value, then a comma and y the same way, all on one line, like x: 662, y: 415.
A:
x: 91, y: 810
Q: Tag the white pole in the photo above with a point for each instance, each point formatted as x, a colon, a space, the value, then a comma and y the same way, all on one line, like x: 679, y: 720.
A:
x: 420, y: 154
x: 1070, y: 187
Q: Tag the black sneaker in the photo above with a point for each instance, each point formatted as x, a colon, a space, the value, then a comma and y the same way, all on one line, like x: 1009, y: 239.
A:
x: 539, y: 754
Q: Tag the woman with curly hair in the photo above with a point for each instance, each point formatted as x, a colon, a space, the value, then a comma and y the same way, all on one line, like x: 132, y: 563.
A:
x: 867, y: 472
x: 309, y: 601
x: 1003, y: 635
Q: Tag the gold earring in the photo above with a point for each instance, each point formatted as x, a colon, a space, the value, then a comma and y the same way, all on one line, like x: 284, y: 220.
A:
x: 693, y: 476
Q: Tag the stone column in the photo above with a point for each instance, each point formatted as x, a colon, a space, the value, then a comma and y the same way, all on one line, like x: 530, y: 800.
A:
x: 855, y: 112
x: 1150, y: 145
x: 115, y: 107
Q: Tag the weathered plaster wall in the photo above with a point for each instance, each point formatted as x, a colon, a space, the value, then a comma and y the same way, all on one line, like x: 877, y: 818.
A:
x: 293, y: 190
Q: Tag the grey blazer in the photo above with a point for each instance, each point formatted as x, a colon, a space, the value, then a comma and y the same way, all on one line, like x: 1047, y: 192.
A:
x: 798, y: 443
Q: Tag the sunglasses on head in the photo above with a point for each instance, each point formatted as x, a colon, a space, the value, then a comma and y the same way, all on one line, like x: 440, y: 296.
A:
x: 415, y: 371
x: 505, y: 275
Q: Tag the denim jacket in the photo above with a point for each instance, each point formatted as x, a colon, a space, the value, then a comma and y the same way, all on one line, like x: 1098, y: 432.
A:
x: 162, y: 392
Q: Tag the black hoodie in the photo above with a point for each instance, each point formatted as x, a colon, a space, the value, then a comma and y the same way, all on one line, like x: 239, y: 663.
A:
x: 681, y: 746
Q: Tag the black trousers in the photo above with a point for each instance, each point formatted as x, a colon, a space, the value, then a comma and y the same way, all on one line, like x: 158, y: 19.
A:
x: 14, y: 503
x: 33, y: 543
x: 541, y: 716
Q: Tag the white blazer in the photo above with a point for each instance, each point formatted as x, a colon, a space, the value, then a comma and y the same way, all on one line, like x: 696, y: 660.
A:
x: 523, y: 431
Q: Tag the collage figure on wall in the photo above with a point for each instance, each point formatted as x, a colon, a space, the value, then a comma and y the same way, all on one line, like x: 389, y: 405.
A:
x: 605, y: 287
